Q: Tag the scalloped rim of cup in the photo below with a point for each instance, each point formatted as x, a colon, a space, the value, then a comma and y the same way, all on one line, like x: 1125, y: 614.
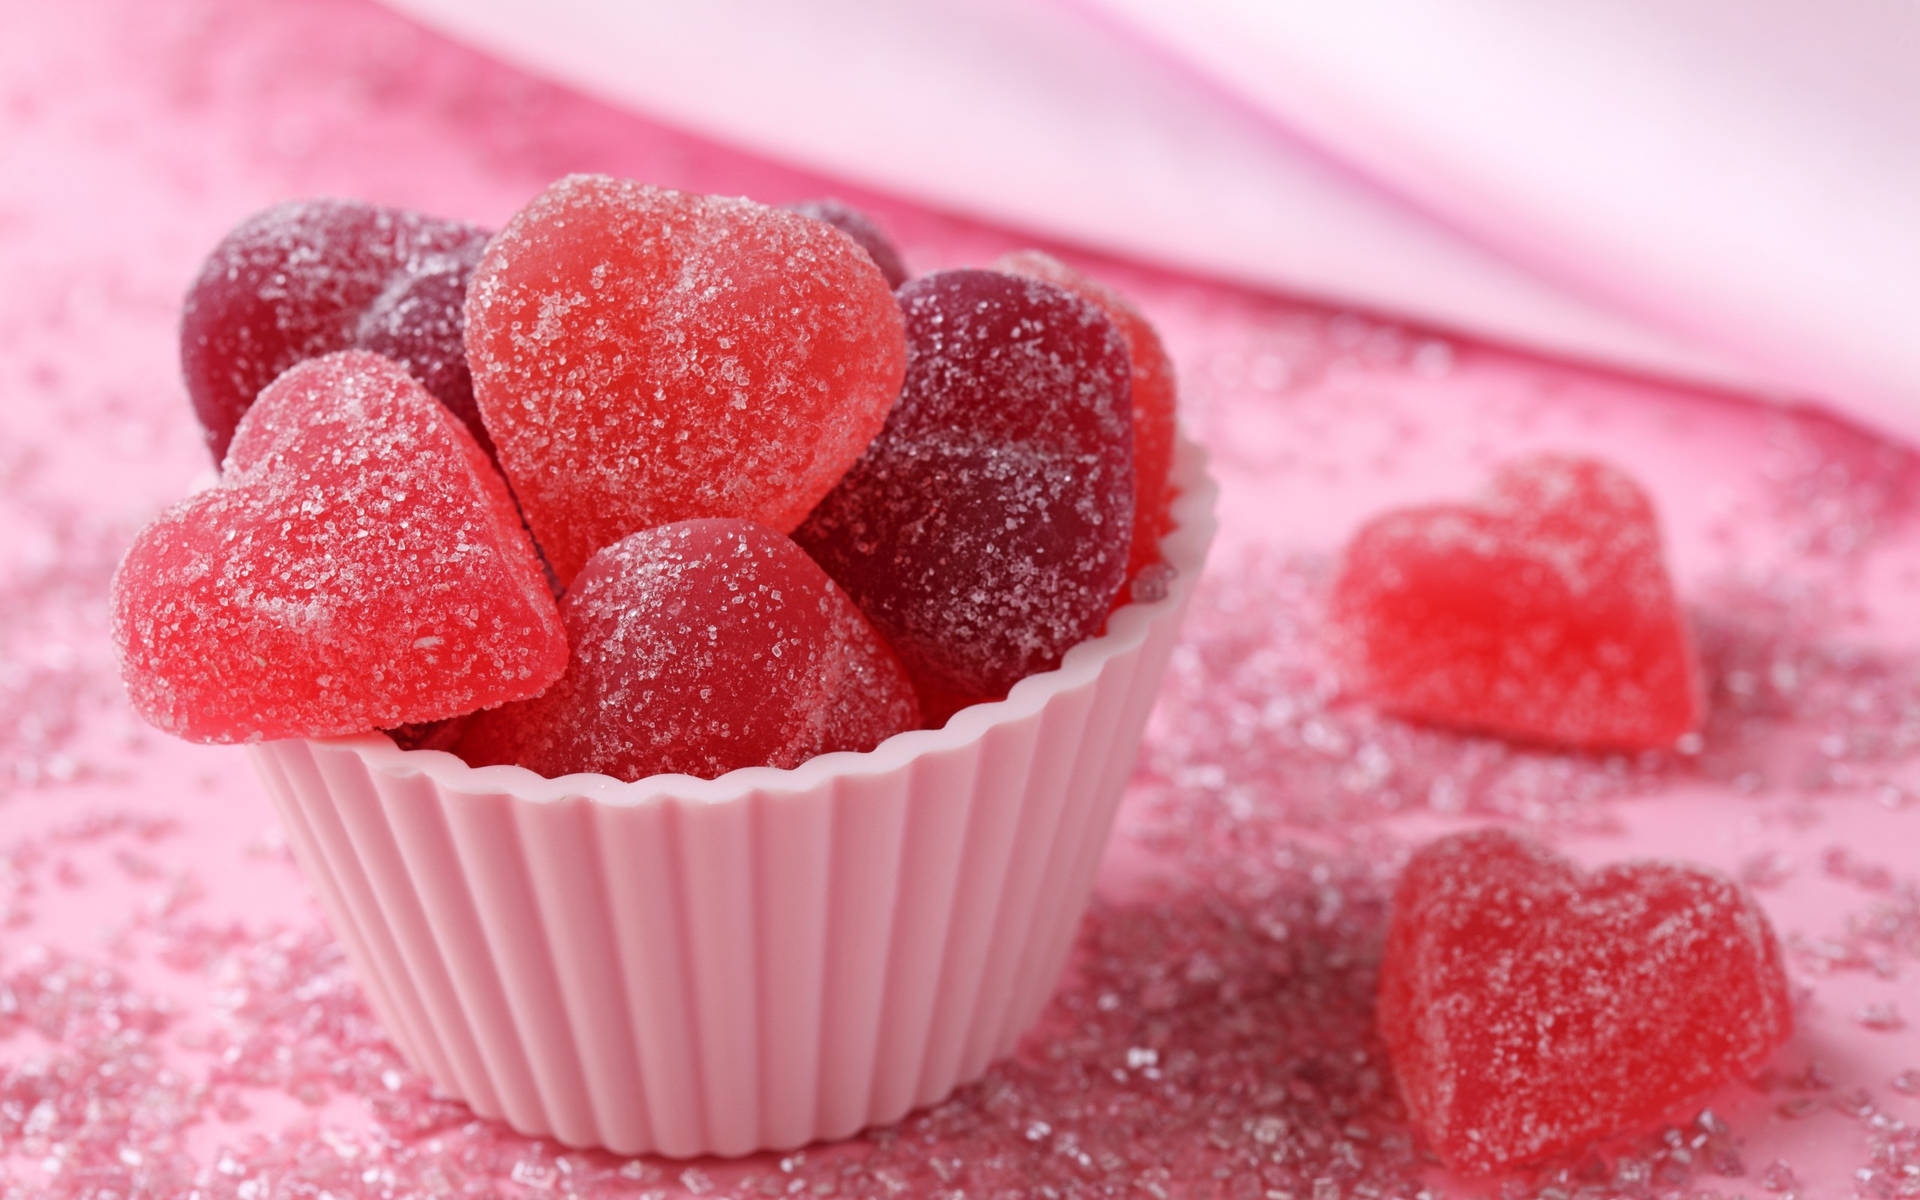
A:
x: 1184, y: 548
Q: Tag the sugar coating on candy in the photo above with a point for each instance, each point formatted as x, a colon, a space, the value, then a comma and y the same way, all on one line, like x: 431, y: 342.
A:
x: 1154, y: 393
x: 1544, y: 612
x: 1530, y: 1009
x: 291, y: 283
x: 986, y: 529
x: 861, y: 228
x: 981, y: 564
x: 699, y: 647
x: 360, y: 566
x: 1005, y: 359
x: 419, y: 321
x: 643, y: 356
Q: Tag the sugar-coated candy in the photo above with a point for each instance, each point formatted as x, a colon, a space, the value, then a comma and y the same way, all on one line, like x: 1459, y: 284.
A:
x: 1530, y: 1009
x: 980, y: 563
x: 1154, y: 394
x: 643, y: 356
x: 292, y: 283
x: 429, y: 735
x: 986, y: 529
x: 1544, y: 612
x: 699, y: 647
x: 1005, y: 359
x: 361, y: 566
x: 419, y: 321
x: 860, y: 227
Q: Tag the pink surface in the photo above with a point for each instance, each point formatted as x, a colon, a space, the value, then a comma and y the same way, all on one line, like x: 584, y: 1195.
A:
x: 173, y: 1010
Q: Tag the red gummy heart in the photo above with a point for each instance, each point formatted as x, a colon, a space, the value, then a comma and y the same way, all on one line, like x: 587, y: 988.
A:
x: 700, y: 647
x: 361, y: 566
x: 1531, y: 1009
x: 643, y: 356
x: 1545, y: 613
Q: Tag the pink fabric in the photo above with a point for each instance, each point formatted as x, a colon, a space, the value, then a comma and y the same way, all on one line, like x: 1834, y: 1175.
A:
x: 1745, y: 176
x: 1715, y: 190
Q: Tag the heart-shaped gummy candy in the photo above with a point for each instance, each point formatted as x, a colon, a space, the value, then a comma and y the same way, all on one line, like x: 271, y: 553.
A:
x: 986, y: 529
x: 984, y: 563
x: 1545, y: 612
x: 419, y: 321
x: 860, y: 227
x: 310, y: 277
x: 699, y: 647
x: 360, y: 566
x: 643, y: 356
x: 1530, y: 1009
x: 1153, y: 397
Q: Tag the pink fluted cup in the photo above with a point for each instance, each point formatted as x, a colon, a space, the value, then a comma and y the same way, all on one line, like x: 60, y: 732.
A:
x: 689, y: 966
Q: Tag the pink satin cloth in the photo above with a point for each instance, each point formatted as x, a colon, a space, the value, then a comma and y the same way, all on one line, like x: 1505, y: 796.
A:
x: 1721, y: 191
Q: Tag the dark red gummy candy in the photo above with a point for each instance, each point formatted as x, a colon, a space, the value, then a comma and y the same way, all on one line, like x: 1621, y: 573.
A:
x: 982, y: 564
x: 700, y: 647
x: 419, y: 321
x: 986, y: 529
x: 860, y: 227
x: 1153, y: 397
x: 361, y: 566
x: 429, y: 735
x: 1531, y: 1009
x: 1005, y: 359
x: 292, y: 283
x: 645, y: 356
x: 1544, y: 612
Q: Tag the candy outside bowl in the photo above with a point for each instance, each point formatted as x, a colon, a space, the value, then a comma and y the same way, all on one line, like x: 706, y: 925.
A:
x: 690, y: 966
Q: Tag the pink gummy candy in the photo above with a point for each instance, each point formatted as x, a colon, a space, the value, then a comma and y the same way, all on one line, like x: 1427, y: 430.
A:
x: 699, y: 647
x: 360, y: 566
x: 860, y: 227
x: 1531, y: 1009
x: 295, y: 282
x: 643, y: 356
x: 1545, y: 612
x: 986, y: 529
x: 1153, y: 397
